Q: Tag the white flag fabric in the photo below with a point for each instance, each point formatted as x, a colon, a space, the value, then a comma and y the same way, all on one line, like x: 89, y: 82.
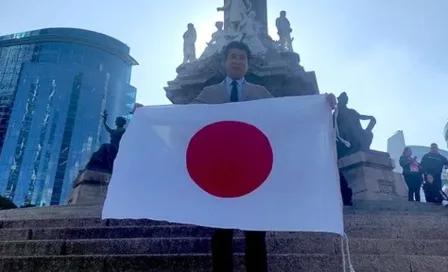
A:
x: 267, y: 165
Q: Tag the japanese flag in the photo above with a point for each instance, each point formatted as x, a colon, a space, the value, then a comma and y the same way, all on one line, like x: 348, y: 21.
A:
x: 258, y: 165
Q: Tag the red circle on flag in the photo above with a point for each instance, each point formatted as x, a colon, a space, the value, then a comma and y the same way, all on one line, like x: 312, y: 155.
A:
x: 229, y: 159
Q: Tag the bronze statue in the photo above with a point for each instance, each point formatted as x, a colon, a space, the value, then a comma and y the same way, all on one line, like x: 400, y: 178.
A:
x: 352, y: 137
x: 103, y: 159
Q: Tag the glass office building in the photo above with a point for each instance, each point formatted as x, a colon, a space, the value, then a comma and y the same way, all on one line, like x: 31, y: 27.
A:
x: 54, y: 85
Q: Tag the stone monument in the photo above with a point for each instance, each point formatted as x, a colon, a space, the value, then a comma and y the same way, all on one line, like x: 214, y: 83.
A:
x: 384, y: 235
x: 370, y: 176
x: 273, y: 64
x: 284, y: 32
x: 190, y: 37
x: 90, y: 187
x: 368, y: 173
x: 103, y: 159
x: 351, y: 137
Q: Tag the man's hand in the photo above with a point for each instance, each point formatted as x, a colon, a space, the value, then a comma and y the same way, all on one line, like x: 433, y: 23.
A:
x: 331, y: 99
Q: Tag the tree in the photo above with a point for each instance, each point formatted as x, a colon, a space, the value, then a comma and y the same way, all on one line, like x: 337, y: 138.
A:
x: 6, y: 204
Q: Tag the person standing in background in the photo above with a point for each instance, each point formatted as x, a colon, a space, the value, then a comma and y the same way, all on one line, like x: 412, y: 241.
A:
x: 412, y: 174
x: 433, y: 163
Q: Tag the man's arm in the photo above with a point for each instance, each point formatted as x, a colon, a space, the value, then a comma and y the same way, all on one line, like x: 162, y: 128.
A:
x: 255, y: 92
x: 264, y: 93
x: 424, y: 163
x: 404, y: 162
x: 445, y: 161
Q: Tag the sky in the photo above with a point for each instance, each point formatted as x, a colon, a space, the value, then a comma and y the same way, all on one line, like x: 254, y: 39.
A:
x: 389, y: 56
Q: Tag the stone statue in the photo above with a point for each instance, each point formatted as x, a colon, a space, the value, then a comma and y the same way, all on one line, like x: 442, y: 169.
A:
x: 190, y: 37
x: 351, y: 137
x: 236, y: 13
x: 218, y: 41
x: 284, y: 32
x: 250, y: 30
x: 103, y: 159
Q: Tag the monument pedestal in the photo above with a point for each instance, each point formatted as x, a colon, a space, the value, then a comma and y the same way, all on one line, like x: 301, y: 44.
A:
x: 370, y: 176
x: 90, y: 187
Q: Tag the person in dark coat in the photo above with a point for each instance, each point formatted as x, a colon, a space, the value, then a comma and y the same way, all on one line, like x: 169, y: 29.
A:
x: 433, y: 163
x: 346, y: 192
x: 412, y: 174
x: 432, y: 192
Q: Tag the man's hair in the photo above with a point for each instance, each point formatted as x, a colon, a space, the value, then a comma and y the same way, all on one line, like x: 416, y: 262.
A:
x: 236, y: 45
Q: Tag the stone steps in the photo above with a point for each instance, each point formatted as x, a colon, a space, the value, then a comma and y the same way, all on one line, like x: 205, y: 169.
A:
x: 202, y: 263
x: 374, y: 219
x: 94, y: 211
x: 288, y: 245
x: 175, y: 231
x: 384, y: 236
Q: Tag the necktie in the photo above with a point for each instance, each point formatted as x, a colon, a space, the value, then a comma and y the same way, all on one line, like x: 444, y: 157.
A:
x: 234, y: 92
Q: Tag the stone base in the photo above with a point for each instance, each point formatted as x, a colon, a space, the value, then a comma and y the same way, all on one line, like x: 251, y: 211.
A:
x: 90, y: 187
x: 370, y: 176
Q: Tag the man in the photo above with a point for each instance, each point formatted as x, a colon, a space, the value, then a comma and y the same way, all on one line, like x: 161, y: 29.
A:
x: 432, y: 163
x: 233, y: 89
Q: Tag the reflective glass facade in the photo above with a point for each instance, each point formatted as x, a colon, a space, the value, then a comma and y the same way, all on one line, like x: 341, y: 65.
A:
x: 54, y: 85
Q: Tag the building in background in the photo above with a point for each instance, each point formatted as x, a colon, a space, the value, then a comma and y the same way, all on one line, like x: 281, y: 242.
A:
x: 395, y: 145
x: 54, y: 85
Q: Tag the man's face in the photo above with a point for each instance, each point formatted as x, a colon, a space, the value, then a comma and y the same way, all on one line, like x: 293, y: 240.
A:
x: 434, y: 148
x: 236, y: 63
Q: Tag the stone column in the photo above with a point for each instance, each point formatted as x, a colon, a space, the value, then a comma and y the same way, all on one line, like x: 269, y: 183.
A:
x: 90, y: 187
x: 260, y: 7
x: 370, y: 176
